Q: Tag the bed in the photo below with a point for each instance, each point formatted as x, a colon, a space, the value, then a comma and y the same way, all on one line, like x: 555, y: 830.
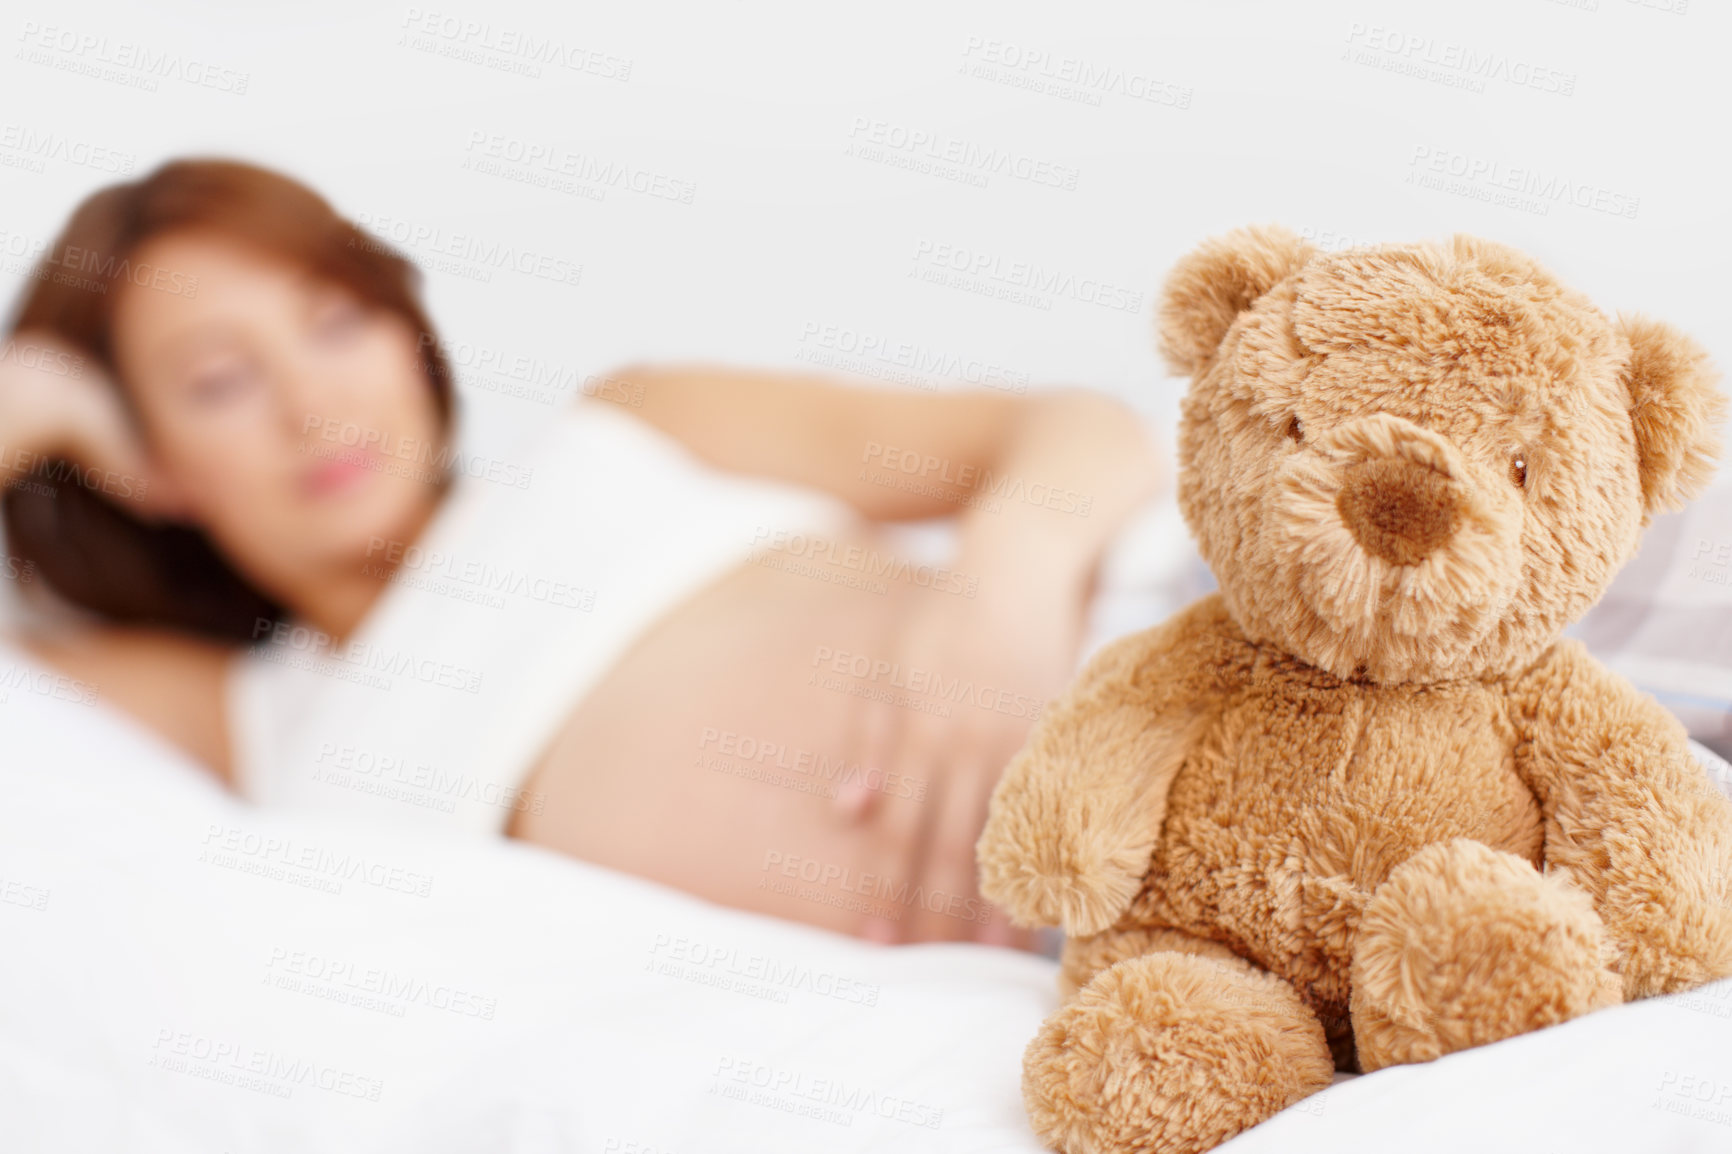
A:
x: 183, y: 972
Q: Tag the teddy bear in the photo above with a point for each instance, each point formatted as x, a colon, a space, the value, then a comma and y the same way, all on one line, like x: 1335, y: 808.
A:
x: 1365, y: 805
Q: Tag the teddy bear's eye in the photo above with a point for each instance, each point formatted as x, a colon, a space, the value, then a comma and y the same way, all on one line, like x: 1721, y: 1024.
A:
x: 1518, y: 471
x: 1295, y: 430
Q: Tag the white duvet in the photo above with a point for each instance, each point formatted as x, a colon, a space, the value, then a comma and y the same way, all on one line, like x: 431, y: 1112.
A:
x: 180, y: 972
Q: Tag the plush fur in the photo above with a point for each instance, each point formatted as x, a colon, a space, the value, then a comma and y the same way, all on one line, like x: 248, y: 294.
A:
x: 1363, y: 806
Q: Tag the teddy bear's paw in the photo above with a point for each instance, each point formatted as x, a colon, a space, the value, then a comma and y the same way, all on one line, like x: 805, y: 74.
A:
x: 1083, y: 883
x: 1171, y: 1052
x: 1465, y: 945
x: 1672, y: 925
x: 1686, y: 948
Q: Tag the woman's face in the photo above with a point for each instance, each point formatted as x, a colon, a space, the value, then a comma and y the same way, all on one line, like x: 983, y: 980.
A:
x: 290, y: 422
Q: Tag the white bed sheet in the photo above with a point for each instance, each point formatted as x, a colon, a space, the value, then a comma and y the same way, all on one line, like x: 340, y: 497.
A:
x: 158, y: 992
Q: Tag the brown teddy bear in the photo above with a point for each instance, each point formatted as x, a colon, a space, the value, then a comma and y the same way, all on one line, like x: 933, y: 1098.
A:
x: 1363, y: 806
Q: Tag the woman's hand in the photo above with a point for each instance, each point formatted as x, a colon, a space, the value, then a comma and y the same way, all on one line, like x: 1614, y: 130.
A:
x: 55, y: 402
x: 971, y: 676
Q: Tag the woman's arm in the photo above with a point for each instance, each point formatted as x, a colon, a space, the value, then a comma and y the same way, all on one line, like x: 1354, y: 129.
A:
x: 52, y: 404
x: 1039, y: 485
x: 1041, y: 479
x: 172, y: 684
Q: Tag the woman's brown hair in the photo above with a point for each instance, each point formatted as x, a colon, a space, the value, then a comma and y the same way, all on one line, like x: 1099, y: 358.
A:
x: 88, y: 549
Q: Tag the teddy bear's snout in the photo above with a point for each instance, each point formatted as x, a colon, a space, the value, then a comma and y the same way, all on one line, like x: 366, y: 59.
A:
x: 1400, y: 511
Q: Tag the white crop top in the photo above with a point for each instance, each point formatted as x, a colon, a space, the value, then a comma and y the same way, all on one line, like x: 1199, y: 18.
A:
x: 511, y: 606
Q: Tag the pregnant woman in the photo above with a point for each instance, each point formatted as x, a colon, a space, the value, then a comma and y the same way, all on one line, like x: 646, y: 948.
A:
x: 672, y: 634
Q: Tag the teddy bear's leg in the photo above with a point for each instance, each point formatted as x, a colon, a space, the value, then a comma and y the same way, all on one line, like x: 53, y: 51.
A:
x: 1171, y: 1051
x: 1464, y: 945
x: 1083, y: 958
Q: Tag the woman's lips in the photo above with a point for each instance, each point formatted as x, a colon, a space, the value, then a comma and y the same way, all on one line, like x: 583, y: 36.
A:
x: 339, y: 474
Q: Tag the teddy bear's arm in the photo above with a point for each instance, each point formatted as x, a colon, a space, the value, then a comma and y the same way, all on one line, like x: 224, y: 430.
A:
x: 1631, y: 817
x: 1073, y: 821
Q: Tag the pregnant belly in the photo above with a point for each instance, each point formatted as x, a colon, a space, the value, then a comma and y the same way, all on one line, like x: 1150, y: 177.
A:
x: 711, y: 756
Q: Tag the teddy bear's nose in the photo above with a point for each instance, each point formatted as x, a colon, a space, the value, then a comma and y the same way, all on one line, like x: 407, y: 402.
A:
x: 1400, y: 511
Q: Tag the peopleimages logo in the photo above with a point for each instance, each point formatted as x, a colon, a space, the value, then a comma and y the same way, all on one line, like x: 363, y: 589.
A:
x: 860, y: 561
x: 379, y: 450
x: 725, y: 966
x: 94, y: 271
x: 44, y: 358
x: 566, y: 169
x: 955, y: 690
x: 440, y: 572
x: 934, y: 152
x: 273, y: 1072
x: 368, y: 664
x: 336, y: 979
x: 524, y: 374
x: 16, y: 893
x: 479, y: 40
x: 920, y: 366
x: 1517, y: 186
x: 826, y: 1099
x: 898, y: 895
x: 1461, y: 65
x: 1065, y: 77
x: 86, y: 53
x: 41, y: 683
x: 313, y: 866
x: 414, y: 782
x: 983, y: 479
x: 754, y: 757
x: 1025, y: 281
x: 38, y: 146
x: 23, y: 463
x: 485, y: 255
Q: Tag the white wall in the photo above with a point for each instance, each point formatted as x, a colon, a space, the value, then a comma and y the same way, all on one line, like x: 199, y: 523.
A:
x: 1248, y: 112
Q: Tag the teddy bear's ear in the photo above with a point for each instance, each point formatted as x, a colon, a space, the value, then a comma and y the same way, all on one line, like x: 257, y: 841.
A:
x: 1210, y: 287
x: 1676, y: 409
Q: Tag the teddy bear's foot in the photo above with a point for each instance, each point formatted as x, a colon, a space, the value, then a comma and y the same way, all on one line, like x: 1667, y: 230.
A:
x: 1083, y: 958
x: 1464, y: 945
x: 1171, y: 1052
